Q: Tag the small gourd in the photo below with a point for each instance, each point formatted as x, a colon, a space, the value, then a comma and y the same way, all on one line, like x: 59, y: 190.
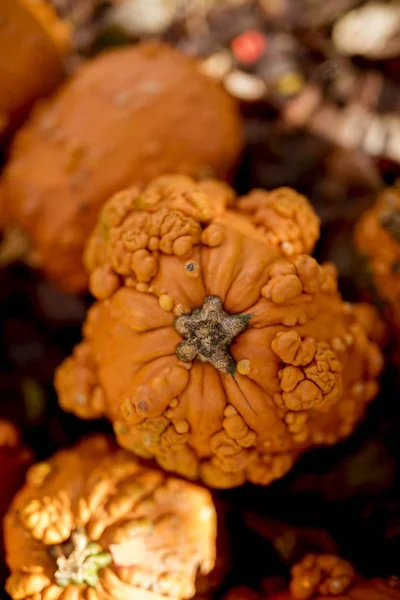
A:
x: 91, y: 523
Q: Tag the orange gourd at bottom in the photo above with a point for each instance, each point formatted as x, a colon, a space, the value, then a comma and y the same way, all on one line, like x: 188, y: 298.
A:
x: 322, y: 577
x: 374, y: 589
x: 92, y: 524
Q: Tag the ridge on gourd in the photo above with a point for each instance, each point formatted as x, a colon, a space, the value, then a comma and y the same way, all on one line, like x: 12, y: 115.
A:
x: 215, y: 347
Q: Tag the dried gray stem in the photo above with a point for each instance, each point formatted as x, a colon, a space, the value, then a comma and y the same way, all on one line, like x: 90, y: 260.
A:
x: 208, y: 333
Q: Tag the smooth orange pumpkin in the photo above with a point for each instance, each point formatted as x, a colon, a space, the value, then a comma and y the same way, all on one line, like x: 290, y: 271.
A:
x: 321, y: 577
x: 125, y: 117
x: 377, y: 238
x: 92, y: 524
x: 32, y: 43
x: 209, y: 349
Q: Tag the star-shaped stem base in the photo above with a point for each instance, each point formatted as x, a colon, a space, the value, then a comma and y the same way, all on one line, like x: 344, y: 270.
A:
x: 208, y: 333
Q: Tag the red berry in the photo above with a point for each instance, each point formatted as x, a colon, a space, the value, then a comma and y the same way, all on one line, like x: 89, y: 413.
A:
x: 249, y: 46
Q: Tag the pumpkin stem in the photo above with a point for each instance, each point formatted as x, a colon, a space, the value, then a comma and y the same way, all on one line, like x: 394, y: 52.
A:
x: 78, y: 560
x: 208, y: 333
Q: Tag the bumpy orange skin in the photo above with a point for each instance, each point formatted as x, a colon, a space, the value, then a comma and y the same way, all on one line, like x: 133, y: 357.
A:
x: 325, y: 576
x: 321, y: 577
x: 381, y: 248
x: 305, y: 367
x: 375, y: 589
x: 14, y: 461
x: 127, y: 116
x: 32, y: 43
x: 318, y: 574
x: 160, y: 531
